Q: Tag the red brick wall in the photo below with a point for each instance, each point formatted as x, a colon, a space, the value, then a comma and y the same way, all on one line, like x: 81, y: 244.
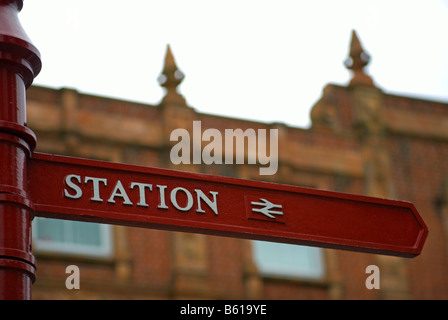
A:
x: 330, y: 155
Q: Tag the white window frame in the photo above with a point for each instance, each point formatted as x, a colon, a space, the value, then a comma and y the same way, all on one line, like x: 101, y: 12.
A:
x: 103, y: 250
x: 314, y: 269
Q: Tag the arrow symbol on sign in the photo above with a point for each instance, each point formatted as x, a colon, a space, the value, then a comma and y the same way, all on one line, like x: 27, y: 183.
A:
x: 267, y: 206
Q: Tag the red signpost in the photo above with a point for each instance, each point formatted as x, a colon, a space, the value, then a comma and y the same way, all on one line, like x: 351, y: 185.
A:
x: 19, y: 64
x: 87, y: 190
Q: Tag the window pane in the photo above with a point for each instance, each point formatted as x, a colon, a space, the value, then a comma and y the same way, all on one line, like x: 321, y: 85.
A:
x: 285, y: 260
x: 85, y: 233
x: 51, y: 230
x: 72, y: 237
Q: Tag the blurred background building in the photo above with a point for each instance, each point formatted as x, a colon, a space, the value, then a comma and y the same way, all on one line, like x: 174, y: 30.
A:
x: 362, y: 141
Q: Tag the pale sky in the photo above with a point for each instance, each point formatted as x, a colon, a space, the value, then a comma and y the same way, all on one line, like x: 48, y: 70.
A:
x: 251, y: 59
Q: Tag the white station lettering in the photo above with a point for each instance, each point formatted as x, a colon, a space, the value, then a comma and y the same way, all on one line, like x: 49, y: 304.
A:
x: 180, y: 198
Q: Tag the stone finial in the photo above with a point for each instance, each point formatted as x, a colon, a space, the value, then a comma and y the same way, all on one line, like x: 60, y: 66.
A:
x: 357, y: 60
x: 171, y: 78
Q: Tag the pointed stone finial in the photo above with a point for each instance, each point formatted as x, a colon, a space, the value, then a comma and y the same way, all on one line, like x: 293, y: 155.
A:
x: 356, y: 62
x: 171, y: 78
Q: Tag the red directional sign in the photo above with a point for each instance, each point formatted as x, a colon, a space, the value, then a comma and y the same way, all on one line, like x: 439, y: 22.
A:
x: 96, y: 191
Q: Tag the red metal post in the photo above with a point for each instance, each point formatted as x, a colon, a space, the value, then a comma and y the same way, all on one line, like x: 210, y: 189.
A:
x: 19, y: 64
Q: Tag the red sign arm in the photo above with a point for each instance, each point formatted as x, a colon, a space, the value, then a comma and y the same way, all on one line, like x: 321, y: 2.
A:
x: 103, y: 192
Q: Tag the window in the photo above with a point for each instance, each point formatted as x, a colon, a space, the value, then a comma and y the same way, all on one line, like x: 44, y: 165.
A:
x: 72, y: 237
x: 288, y: 261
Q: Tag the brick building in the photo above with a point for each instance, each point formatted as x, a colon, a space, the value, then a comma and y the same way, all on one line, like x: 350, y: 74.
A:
x: 362, y: 141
